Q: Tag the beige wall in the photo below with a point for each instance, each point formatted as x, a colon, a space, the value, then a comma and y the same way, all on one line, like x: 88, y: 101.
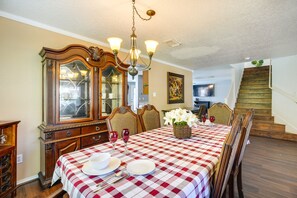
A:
x: 20, y: 85
x: 158, y: 84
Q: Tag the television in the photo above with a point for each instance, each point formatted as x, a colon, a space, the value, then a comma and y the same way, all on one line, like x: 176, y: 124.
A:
x: 206, y: 90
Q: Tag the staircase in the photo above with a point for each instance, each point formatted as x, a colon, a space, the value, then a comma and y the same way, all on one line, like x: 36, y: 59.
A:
x: 255, y: 93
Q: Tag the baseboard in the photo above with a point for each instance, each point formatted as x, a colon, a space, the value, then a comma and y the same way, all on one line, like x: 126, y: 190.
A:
x: 27, y: 179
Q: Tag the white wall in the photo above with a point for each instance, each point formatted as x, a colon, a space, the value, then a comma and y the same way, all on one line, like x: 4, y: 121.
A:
x: 284, y: 82
x: 221, y: 76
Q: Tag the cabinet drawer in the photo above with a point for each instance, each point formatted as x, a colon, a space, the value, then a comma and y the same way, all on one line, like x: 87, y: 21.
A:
x: 94, y: 139
x: 66, y: 133
x: 92, y: 129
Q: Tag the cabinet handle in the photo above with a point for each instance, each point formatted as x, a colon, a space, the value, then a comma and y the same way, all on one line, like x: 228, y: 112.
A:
x: 68, y: 134
x: 97, y: 139
x: 97, y: 128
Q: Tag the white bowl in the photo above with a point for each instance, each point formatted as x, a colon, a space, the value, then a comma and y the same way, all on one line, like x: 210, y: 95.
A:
x: 99, y: 160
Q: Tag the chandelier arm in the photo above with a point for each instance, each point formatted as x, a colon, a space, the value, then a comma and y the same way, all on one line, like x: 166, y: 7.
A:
x: 147, y: 66
x: 117, y: 63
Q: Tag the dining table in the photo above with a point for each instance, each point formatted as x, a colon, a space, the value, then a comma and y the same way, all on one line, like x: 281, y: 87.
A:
x: 183, y: 167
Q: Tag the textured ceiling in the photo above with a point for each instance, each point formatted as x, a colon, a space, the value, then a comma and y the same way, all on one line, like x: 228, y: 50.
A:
x: 211, y: 33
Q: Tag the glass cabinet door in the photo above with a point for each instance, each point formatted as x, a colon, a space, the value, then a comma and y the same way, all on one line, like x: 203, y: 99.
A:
x: 74, y: 91
x: 111, y: 90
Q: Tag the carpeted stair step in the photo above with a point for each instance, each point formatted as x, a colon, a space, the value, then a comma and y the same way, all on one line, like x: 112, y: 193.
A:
x: 264, y: 126
x: 249, y: 87
x: 253, y: 105
x: 264, y: 118
x: 255, y: 82
x: 254, y: 95
x: 260, y: 112
x: 254, y: 100
x: 255, y: 91
x: 254, y: 77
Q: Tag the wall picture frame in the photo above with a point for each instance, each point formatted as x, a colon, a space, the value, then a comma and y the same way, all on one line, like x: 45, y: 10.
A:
x: 175, y: 88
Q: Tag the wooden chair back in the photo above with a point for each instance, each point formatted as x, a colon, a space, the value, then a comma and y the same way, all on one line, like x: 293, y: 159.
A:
x: 149, y: 118
x: 223, y: 114
x: 227, y: 158
x: 122, y: 118
x: 245, y: 133
x: 202, y: 111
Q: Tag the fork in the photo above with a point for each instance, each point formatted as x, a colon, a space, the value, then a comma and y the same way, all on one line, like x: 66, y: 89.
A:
x: 105, y: 184
x: 118, y: 174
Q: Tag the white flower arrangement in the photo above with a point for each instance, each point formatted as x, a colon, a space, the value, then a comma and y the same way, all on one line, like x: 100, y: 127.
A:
x: 180, y: 117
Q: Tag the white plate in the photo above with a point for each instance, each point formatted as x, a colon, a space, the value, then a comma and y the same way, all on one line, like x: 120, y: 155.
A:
x: 113, y: 165
x: 141, y: 167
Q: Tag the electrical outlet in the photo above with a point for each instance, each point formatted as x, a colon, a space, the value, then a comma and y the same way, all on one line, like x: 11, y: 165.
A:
x: 19, y: 158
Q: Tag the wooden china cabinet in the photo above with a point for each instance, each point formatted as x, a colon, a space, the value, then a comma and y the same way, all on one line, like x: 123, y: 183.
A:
x: 81, y: 86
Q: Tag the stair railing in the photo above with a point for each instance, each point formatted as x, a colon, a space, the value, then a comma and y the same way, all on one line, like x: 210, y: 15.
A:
x: 277, y: 89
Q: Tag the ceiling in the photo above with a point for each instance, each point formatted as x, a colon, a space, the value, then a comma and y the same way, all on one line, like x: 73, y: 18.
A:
x: 212, y: 33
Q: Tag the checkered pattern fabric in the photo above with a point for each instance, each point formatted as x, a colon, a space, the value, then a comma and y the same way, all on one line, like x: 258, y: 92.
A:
x: 183, y: 167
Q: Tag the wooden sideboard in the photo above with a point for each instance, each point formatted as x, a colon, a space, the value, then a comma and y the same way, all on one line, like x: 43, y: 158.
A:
x: 8, y: 151
x: 58, y: 140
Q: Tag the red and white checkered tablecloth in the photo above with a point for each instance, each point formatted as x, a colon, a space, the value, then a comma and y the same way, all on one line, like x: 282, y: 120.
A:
x: 183, y: 167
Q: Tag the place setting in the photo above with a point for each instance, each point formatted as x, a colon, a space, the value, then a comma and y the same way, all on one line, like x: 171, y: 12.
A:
x: 106, y: 166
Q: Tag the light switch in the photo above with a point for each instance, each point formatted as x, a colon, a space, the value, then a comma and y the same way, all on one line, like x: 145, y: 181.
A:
x: 154, y: 94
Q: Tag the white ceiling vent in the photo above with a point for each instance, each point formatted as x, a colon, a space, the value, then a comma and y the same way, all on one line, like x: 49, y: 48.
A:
x: 172, y: 43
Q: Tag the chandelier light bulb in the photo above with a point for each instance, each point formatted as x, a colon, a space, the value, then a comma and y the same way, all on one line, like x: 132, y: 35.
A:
x: 115, y: 43
x: 151, y: 46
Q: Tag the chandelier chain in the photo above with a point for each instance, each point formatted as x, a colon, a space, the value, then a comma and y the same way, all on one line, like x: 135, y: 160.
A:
x: 134, y: 9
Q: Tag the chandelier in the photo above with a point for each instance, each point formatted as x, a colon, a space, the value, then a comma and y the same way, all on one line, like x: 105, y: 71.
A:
x: 115, y: 44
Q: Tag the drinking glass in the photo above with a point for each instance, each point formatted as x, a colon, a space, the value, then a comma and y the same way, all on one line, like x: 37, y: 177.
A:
x: 212, y: 119
x: 125, y: 137
x: 113, y: 137
x: 203, y: 119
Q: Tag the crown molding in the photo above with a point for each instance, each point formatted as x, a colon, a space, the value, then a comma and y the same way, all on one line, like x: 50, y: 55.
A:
x: 73, y: 35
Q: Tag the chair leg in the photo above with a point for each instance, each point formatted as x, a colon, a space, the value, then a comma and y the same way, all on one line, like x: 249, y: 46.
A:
x: 239, y: 181
x: 224, y: 194
x: 231, y: 186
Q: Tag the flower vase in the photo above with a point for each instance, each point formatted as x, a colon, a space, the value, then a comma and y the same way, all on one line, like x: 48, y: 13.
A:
x: 182, y: 131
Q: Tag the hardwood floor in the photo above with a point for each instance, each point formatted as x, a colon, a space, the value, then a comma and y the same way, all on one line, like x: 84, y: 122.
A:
x: 270, y: 168
x: 269, y: 171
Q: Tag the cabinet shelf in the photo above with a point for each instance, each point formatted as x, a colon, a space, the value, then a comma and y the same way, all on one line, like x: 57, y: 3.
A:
x: 113, y: 83
x: 111, y: 98
x: 75, y: 99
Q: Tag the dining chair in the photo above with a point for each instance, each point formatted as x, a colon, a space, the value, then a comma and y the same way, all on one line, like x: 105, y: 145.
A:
x: 122, y: 118
x: 149, y: 118
x: 226, y: 160
x: 237, y: 167
x: 202, y: 111
x: 222, y: 113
